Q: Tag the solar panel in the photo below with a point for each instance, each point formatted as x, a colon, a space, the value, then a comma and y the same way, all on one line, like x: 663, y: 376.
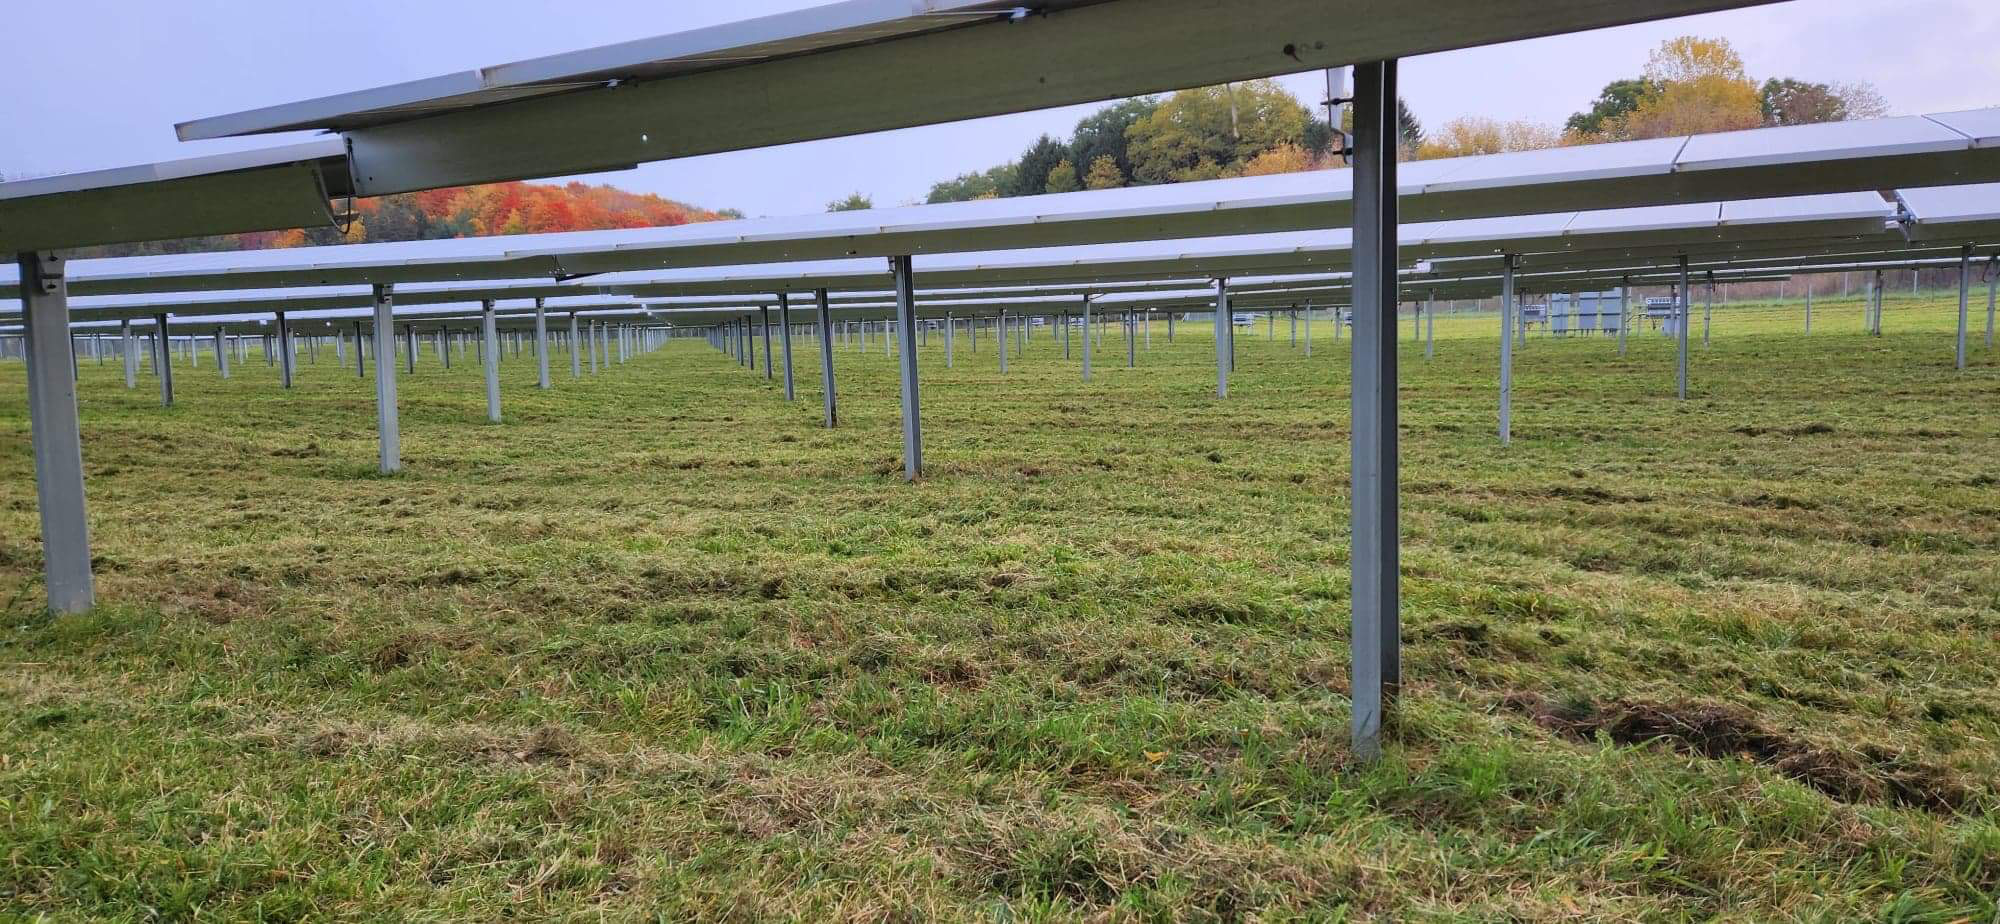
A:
x: 869, y: 65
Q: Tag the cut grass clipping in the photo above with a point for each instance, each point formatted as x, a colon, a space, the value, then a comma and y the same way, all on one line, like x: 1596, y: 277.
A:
x: 660, y: 647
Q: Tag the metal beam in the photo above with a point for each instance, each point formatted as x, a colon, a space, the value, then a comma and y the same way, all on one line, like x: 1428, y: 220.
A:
x: 1374, y: 557
x: 57, y: 436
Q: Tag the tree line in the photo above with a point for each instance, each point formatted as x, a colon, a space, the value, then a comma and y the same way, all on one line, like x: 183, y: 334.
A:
x: 465, y: 211
x: 1689, y: 85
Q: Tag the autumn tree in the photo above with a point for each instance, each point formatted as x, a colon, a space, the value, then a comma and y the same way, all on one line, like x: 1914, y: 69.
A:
x: 1700, y: 86
x: 1104, y: 174
x: 1212, y: 131
x: 1062, y: 178
x: 1285, y: 158
x: 855, y: 202
x: 1787, y: 101
x: 1470, y: 135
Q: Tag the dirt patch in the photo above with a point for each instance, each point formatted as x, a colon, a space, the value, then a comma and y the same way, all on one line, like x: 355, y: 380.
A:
x: 411, y: 646
x: 1871, y: 773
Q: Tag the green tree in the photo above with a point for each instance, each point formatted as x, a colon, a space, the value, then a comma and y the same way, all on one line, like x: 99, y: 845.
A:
x: 980, y: 184
x: 1613, y: 103
x: 1031, y: 176
x: 1062, y: 178
x: 1213, y: 131
x: 1103, y: 134
x: 1104, y: 174
x: 855, y: 202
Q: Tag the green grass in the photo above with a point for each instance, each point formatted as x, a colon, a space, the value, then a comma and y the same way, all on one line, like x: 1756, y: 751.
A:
x: 659, y: 647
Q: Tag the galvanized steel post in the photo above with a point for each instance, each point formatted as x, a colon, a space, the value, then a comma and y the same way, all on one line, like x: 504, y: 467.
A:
x: 56, y: 435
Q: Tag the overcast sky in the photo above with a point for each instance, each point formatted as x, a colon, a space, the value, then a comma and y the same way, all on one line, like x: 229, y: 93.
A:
x: 102, y: 81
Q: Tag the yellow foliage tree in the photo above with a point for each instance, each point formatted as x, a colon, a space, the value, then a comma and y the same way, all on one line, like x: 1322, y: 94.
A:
x: 1470, y: 135
x: 1104, y: 173
x: 1285, y: 158
x: 1063, y: 179
x: 1699, y: 85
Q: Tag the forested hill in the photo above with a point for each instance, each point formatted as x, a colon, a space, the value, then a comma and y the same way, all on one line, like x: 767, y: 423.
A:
x: 470, y: 211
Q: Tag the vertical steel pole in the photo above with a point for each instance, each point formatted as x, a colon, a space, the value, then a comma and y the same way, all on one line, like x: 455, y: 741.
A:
x: 906, y: 316
x: 1374, y: 559
x: 360, y: 355
x: 221, y: 352
x: 785, y: 337
x: 131, y: 354
x: 56, y: 435
x: 1964, y: 298
x: 1000, y: 336
x: 1809, y: 295
x: 1624, y: 309
x: 163, y: 360
x: 1131, y: 341
x: 950, y: 329
x: 826, y: 357
x: 541, y: 345
x: 1223, y: 346
x: 1086, y: 338
x: 1992, y: 295
x: 385, y: 378
x: 488, y: 328
x: 409, y: 347
x: 1507, y: 315
x: 1309, y: 329
x: 1875, y: 297
x: 765, y: 312
x: 1707, y: 307
x: 284, y: 351
x: 1430, y: 324
x: 575, y: 345
x: 1685, y: 309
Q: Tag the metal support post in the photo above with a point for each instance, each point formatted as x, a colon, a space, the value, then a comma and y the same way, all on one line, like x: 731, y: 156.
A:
x: 826, y: 358
x: 489, y: 331
x: 385, y: 379
x: 906, y: 316
x: 785, y: 338
x: 55, y: 433
x: 1377, y: 671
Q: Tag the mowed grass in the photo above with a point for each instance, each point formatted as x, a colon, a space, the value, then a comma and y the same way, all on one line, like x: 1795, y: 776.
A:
x: 660, y: 647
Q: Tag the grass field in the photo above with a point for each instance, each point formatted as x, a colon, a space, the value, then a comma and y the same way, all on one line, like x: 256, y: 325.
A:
x: 659, y: 647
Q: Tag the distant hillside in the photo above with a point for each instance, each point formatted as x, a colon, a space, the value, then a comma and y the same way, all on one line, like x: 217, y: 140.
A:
x: 467, y: 211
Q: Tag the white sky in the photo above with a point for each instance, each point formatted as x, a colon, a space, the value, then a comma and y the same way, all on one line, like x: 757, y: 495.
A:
x: 100, y: 83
